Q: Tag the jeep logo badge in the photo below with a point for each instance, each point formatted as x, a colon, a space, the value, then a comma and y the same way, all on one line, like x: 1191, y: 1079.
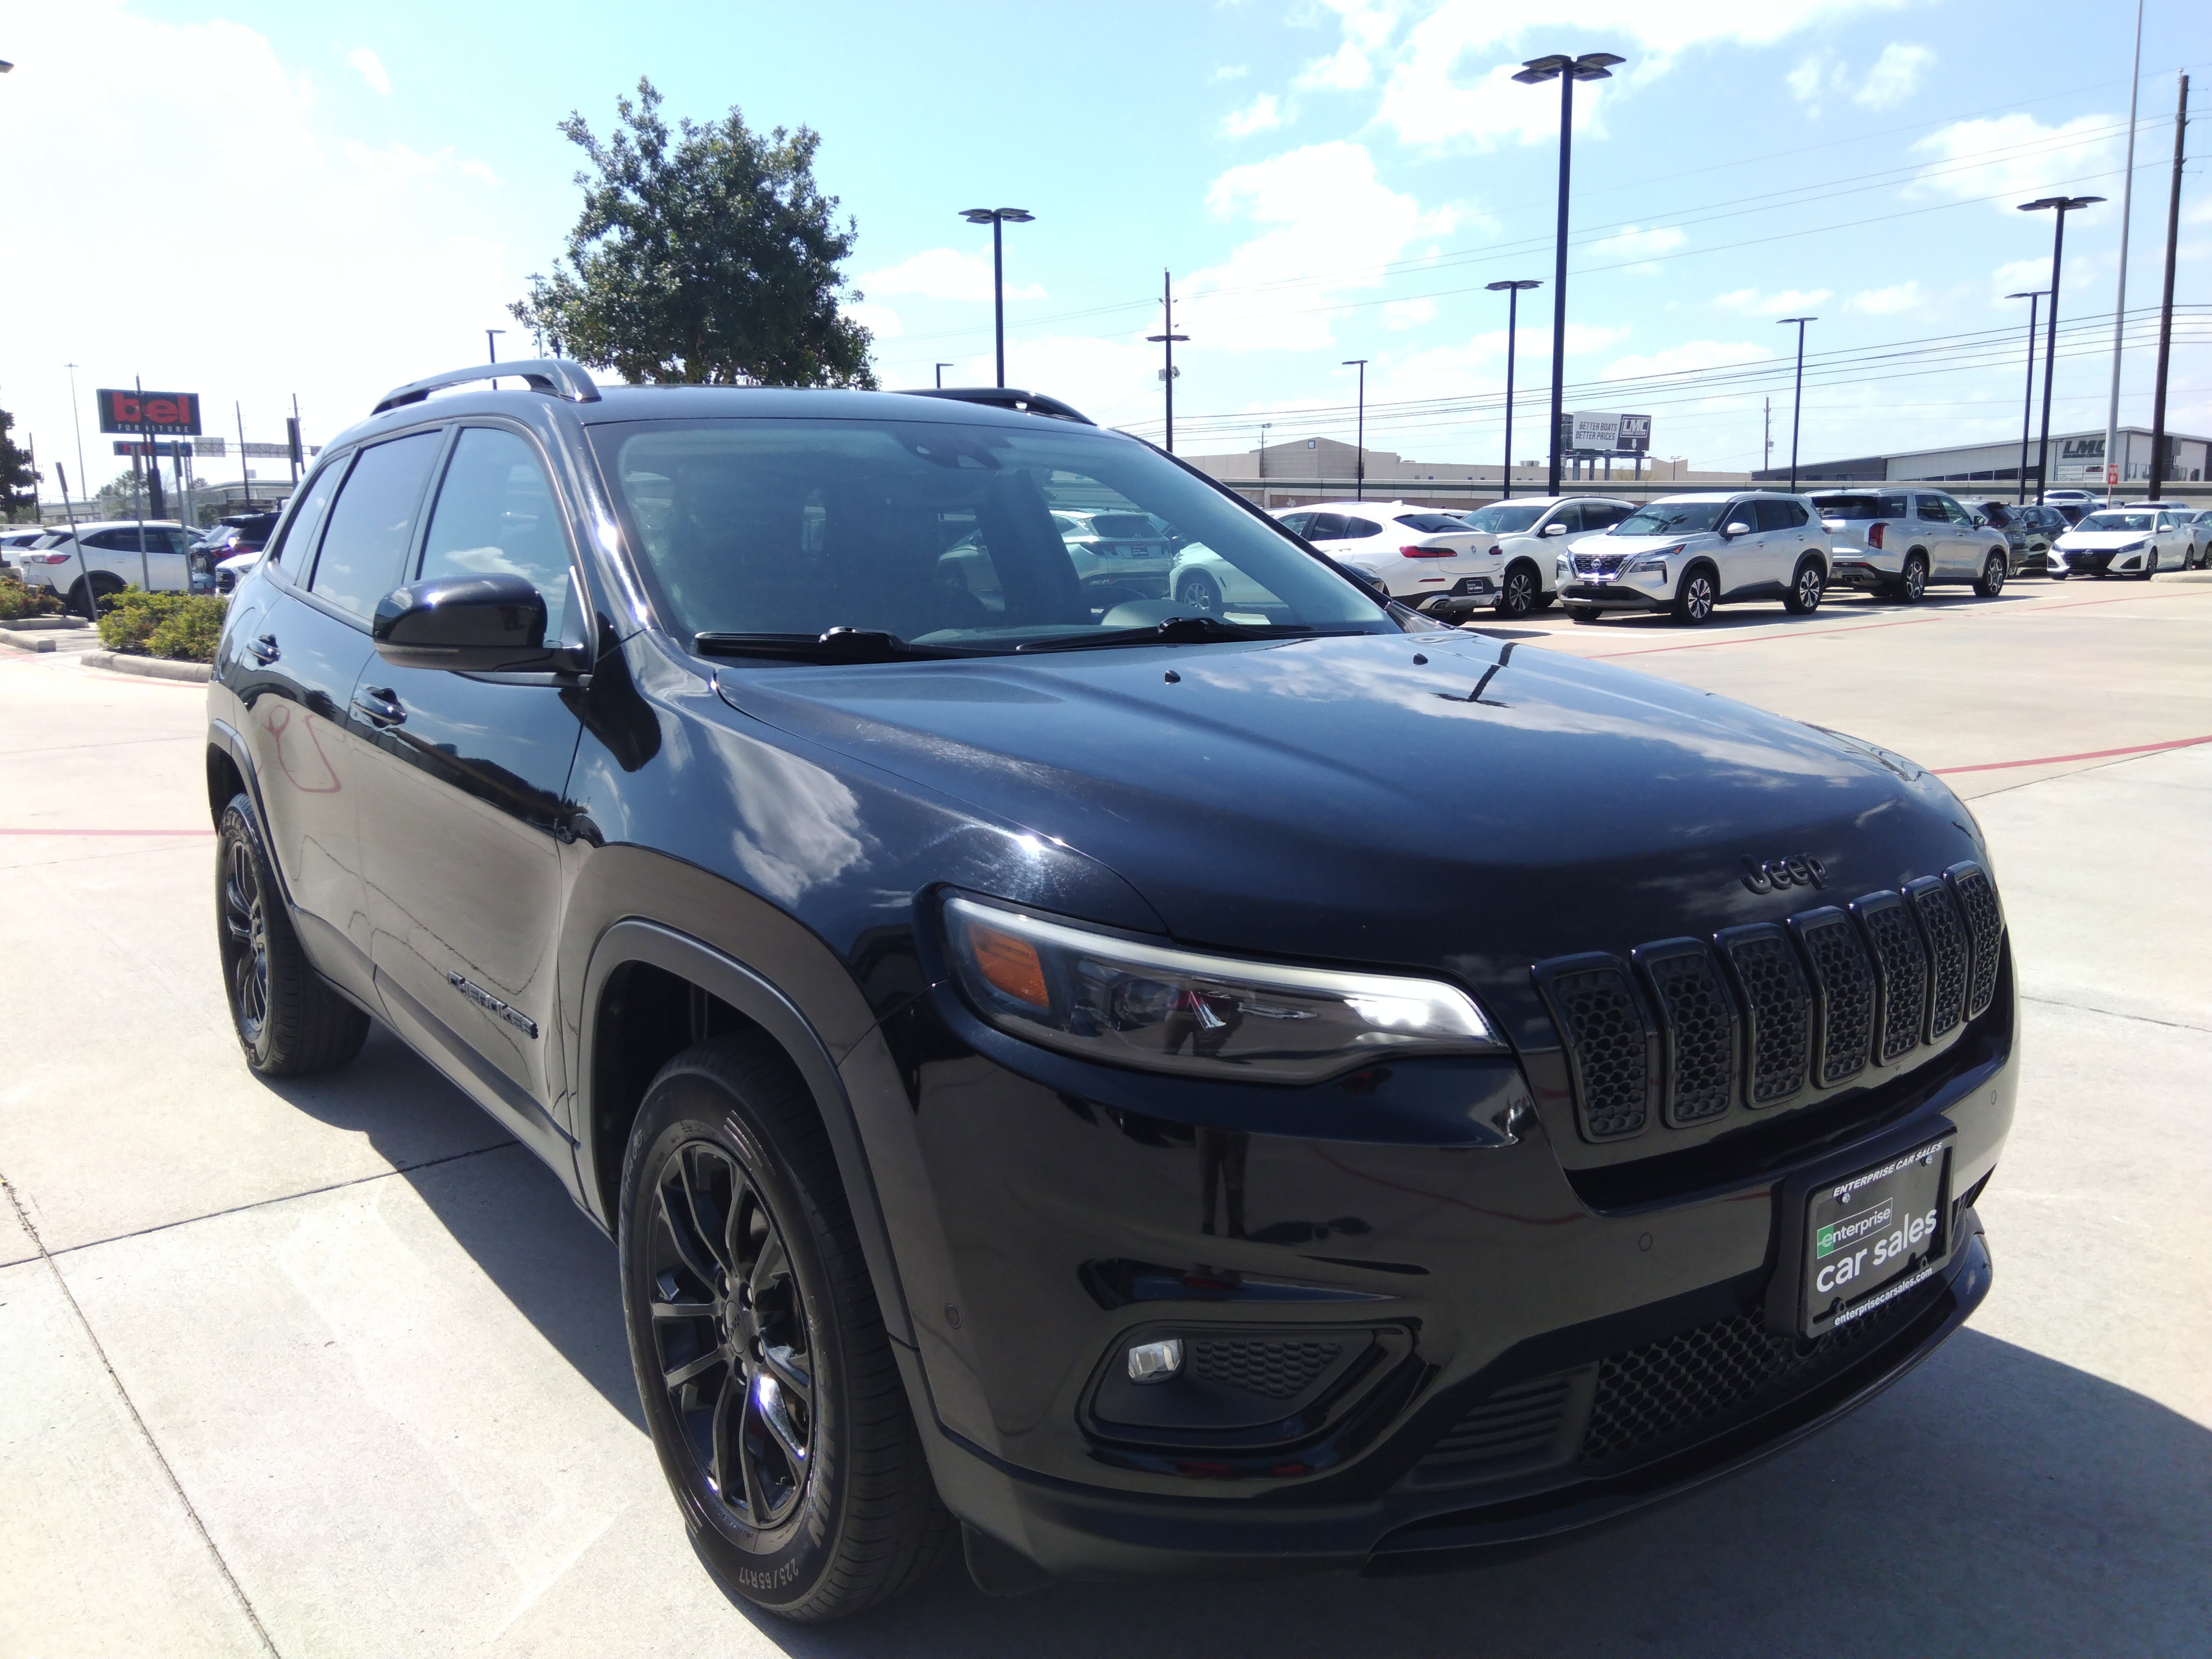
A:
x: 1793, y: 870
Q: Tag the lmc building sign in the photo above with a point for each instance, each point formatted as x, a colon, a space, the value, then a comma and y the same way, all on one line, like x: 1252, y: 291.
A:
x: 163, y: 413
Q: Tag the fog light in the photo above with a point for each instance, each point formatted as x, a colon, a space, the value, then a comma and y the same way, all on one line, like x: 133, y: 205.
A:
x: 1155, y: 1362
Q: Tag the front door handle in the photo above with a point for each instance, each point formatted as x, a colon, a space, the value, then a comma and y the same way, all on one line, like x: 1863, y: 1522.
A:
x: 265, y: 649
x: 381, y: 706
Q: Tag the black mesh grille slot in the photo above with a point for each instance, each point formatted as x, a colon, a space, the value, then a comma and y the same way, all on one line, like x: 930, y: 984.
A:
x: 1778, y: 1009
x: 1978, y: 903
x: 1901, y: 961
x: 1609, y: 1041
x: 1697, y: 1019
x: 1648, y: 1392
x: 1844, y: 981
x: 1949, y: 958
x: 1275, y: 1369
x: 1511, y: 1423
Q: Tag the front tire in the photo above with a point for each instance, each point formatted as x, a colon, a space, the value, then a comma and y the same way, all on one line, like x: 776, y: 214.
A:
x: 1911, y: 586
x: 1200, y: 592
x: 1806, y: 588
x: 1517, y: 592
x: 769, y: 1384
x: 287, y: 1020
x: 1695, y: 598
x: 2150, y: 569
x: 1581, y: 613
x: 1991, y: 581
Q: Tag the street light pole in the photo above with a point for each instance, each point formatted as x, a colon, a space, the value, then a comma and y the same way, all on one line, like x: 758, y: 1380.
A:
x: 77, y: 422
x: 1512, y: 337
x: 1166, y: 342
x: 2062, y: 205
x: 1797, y: 401
x: 2165, y: 305
x: 1590, y: 66
x: 2033, y: 296
x: 1264, y: 425
x: 997, y: 218
x: 941, y: 367
x: 1359, y: 455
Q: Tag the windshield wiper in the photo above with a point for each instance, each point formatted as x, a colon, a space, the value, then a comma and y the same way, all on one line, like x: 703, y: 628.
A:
x: 832, y: 645
x: 1175, y: 630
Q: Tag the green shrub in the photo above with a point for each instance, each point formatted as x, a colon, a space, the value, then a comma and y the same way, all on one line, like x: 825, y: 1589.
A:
x: 17, y: 600
x: 183, y: 627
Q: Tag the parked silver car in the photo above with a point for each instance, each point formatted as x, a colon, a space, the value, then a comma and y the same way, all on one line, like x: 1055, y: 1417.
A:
x: 1686, y: 553
x: 1900, y: 543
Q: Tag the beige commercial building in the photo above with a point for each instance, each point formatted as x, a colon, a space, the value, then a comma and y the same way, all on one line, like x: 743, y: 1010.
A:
x: 1324, y: 469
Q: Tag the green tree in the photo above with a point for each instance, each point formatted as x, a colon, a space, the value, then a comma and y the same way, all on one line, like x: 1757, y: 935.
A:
x: 705, y: 256
x: 19, y: 483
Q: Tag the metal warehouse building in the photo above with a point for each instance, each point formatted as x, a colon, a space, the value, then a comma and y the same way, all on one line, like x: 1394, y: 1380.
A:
x: 2076, y: 458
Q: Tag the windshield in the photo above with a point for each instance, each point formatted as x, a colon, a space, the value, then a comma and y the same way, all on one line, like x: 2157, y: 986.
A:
x: 1506, y: 518
x: 1670, y: 519
x: 951, y: 536
x: 2114, y: 521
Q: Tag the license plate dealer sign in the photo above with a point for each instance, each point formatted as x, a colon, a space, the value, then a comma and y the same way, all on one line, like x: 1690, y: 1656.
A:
x: 1873, y: 1236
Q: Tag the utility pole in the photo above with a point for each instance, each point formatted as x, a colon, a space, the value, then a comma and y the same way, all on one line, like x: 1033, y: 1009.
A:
x: 1359, y: 454
x: 1166, y: 342
x: 2115, y: 468
x: 2061, y: 206
x: 2165, y: 305
x: 1264, y: 425
x: 245, y: 472
x: 1766, y: 434
x: 82, y: 477
x: 941, y: 367
x: 293, y: 441
x: 2028, y: 398
x: 1513, y: 291
x: 146, y: 441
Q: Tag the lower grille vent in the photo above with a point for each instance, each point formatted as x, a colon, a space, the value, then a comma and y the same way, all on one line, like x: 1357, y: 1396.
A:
x: 1516, y: 1422
x: 1276, y: 1371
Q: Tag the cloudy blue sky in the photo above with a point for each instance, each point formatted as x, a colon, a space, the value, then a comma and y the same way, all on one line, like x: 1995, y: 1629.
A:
x: 253, y: 199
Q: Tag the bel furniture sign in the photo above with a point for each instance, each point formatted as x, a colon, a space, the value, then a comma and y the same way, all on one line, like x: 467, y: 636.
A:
x: 162, y: 414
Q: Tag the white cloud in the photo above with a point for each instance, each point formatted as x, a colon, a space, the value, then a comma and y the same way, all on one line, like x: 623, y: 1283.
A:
x: 1326, y: 226
x: 371, y: 68
x: 1888, y: 301
x: 1751, y: 303
x: 879, y: 320
x: 2020, y: 277
x: 1804, y: 80
x: 1894, y: 77
x: 1690, y: 355
x: 2031, y: 160
x: 1408, y: 313
x: 1262, y: 114
x: 942, y: 273
x: 1231, y: 72
x: 1635, y: 243
x: 1443, y: 371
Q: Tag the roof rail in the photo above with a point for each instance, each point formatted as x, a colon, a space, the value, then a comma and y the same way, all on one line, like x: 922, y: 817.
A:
x: 1004, y: 397
x: 554, y: 376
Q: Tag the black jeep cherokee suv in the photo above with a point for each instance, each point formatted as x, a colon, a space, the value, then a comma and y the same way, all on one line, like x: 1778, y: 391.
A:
x: 1120, y: 1091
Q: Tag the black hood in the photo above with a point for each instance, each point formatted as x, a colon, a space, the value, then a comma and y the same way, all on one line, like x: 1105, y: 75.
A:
x: 1337, y: 799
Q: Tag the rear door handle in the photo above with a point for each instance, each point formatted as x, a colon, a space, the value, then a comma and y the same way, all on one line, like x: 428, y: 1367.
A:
x: 381, y: 706
x: 265, y: 650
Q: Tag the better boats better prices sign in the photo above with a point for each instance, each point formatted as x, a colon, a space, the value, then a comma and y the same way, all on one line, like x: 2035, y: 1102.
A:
x: 1609, y: 435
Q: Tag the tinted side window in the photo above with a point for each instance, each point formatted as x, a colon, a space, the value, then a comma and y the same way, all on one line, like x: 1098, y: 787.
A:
x: 1295, y: 522
x: 1603, y: 515
x: 1326, y: 527
x: 496, y: 516
x: 1780, y: 515
x: 1356, y: 528
x: 307, y: 517
x: 113, y: 541
x: 1931, y: 508
x: 1954, y: 512
x: 1570, y: 516
x: 373, y: 522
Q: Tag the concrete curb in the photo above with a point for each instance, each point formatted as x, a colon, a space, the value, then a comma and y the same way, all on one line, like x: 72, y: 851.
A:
x: 41, y: 641
x: 155, y: 668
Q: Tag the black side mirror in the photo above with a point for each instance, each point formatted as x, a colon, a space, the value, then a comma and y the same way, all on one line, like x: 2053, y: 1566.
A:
x: 468, y: 624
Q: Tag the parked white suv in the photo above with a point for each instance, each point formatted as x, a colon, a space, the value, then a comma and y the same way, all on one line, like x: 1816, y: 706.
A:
x: 1900, y: 543
x: 1430, y: 560
x: 1527, y: 549
x: 110, y: 553
x: 1686, y: 553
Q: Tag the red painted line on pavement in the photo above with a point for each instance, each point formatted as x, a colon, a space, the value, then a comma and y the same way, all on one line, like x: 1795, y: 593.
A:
x: 2055, y: 760
x: 67, y: 833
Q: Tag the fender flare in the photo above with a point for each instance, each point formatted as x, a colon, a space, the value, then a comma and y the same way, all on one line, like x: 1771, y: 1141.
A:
x: 633, y: 940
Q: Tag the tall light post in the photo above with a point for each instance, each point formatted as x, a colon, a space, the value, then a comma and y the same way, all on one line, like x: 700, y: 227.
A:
x: 1359, y: 453
x: 2033, y: 296
x: 941, y: 367
x: 1590, y: 66
x: 491, y: 344
x: 2061, y: 206
x: 1798, y: 400
x: 998, y: 218
x: 1166, y: 341
x: 1264, y: 425
x: 1513, y: 291
x: 77, y: 422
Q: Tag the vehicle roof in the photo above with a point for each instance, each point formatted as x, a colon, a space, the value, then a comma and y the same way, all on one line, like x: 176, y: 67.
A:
x: 1716, y: 495
x: 116, y: 524
x: 1370, y: 505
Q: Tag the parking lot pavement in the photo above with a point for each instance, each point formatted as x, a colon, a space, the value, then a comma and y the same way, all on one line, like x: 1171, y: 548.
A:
x: 336, y: 1370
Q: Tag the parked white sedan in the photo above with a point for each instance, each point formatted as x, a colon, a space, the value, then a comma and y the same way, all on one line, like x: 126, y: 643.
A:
x: 2125, y: 541
x: 1431, y: 560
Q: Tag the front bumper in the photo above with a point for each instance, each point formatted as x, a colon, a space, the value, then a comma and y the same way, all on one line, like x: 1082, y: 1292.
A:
x: 2080, y: 563
x: 1617, y: 596
x: 1421, y: 1209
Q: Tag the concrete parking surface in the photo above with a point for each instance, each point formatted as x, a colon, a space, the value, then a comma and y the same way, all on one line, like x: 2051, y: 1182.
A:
x: 334, y: 1369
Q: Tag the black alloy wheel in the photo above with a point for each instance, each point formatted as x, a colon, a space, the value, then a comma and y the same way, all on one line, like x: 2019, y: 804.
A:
x: 1695, y: 598
x: 1200, y: 592
x: 1516, y: 593
x: 769, y: 1384
x: 2150, y: 568
x: 289, y: 1023
x: 1912, y: 585
x: 1991, y: 581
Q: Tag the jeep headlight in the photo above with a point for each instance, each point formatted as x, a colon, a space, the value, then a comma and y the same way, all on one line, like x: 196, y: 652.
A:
x: 1168, y: 1010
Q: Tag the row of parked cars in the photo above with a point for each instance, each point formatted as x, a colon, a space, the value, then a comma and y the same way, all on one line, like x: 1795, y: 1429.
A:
x: 159, y: 555
x: 1686, y: 554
